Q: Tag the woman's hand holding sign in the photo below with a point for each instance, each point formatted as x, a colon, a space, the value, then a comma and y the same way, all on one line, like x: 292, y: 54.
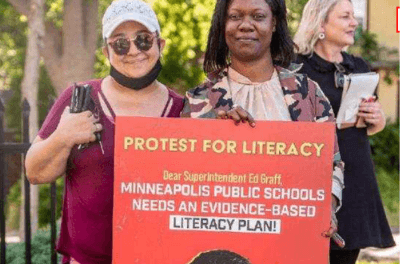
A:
x: 332, y: 232
x: 237, y: 114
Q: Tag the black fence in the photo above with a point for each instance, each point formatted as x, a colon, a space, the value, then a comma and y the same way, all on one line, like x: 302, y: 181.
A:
x: 7, y: 148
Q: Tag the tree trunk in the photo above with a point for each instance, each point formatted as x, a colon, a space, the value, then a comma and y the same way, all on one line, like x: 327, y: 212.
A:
x: 29, y: 88
x: 68, y: 53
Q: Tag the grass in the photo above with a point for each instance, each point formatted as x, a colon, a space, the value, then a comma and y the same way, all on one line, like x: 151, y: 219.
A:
x: 389, y: 189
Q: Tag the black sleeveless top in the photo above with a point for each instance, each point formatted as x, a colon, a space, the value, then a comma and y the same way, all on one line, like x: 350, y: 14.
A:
x: 362, y: 220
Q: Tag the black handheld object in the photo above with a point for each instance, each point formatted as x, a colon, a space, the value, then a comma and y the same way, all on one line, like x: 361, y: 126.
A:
x: 80, y: 102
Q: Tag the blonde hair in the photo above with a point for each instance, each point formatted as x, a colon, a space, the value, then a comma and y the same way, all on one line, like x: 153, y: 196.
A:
x: 315, y: 13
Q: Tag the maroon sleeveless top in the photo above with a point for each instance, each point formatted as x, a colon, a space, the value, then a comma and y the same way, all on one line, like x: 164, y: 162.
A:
x: 86, y: 227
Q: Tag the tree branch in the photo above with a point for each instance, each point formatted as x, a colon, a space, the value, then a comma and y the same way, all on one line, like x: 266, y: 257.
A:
x: 72, y: 28
x: 90, y: 13
x: 51, y: 52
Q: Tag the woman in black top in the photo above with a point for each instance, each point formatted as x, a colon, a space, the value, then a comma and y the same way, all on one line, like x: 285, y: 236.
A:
x: 328, y: 26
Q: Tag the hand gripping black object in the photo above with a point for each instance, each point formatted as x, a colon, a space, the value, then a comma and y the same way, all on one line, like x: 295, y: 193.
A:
x: 80, y: 102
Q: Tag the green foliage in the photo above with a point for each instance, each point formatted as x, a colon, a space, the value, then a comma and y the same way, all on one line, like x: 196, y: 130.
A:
x: 13, y: 29
x: 385, y: 148
x: 45, y: 199
x: 388, y: 185
x: 368, y: 43
x: 14, y: 202
x: 387, y: 79
x: 12, y: 56
x: 41, y: 251
x: 184, y: 26
x: 46, y: 93
x: 385, y: 154
x: 14, y: 195
x: 54, y: 12
x: 101, y: 65
x: 294, y: 12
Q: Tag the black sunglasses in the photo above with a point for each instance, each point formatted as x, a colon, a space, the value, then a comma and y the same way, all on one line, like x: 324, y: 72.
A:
x: 143, y: 41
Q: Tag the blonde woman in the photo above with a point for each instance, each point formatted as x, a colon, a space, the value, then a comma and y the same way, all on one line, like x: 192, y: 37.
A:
x: 326, y: 28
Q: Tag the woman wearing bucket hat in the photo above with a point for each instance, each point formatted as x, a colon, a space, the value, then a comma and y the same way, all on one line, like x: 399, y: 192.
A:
x: 133, y: 47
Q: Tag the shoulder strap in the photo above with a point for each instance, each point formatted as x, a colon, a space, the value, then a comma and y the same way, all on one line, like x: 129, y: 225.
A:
x: 167, y: 104
x: 96, y: 85
x: 107, y: 104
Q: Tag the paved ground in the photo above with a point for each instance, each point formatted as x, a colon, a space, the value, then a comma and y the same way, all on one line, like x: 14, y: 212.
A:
x: 382, y: 255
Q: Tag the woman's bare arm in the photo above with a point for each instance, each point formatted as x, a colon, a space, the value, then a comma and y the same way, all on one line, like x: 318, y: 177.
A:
x: 46, y: 159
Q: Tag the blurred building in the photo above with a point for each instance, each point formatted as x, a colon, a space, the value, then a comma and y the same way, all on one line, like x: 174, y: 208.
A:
x: 379, y: 17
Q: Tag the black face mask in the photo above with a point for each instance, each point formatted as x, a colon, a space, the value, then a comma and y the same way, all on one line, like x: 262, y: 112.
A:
x: 136, y: 83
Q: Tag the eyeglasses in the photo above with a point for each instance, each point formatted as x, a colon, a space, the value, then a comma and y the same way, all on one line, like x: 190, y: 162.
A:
x: 143, y: 41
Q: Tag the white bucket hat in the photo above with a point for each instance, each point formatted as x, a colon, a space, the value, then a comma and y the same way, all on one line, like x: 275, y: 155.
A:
x: 121, y: 11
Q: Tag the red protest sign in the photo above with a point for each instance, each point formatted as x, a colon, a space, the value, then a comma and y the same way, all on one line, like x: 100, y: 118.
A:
x: 397, y: 19
x: 187, y: 186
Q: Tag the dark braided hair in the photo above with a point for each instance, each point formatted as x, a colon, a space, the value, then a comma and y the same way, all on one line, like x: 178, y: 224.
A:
x: 282, y: 45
